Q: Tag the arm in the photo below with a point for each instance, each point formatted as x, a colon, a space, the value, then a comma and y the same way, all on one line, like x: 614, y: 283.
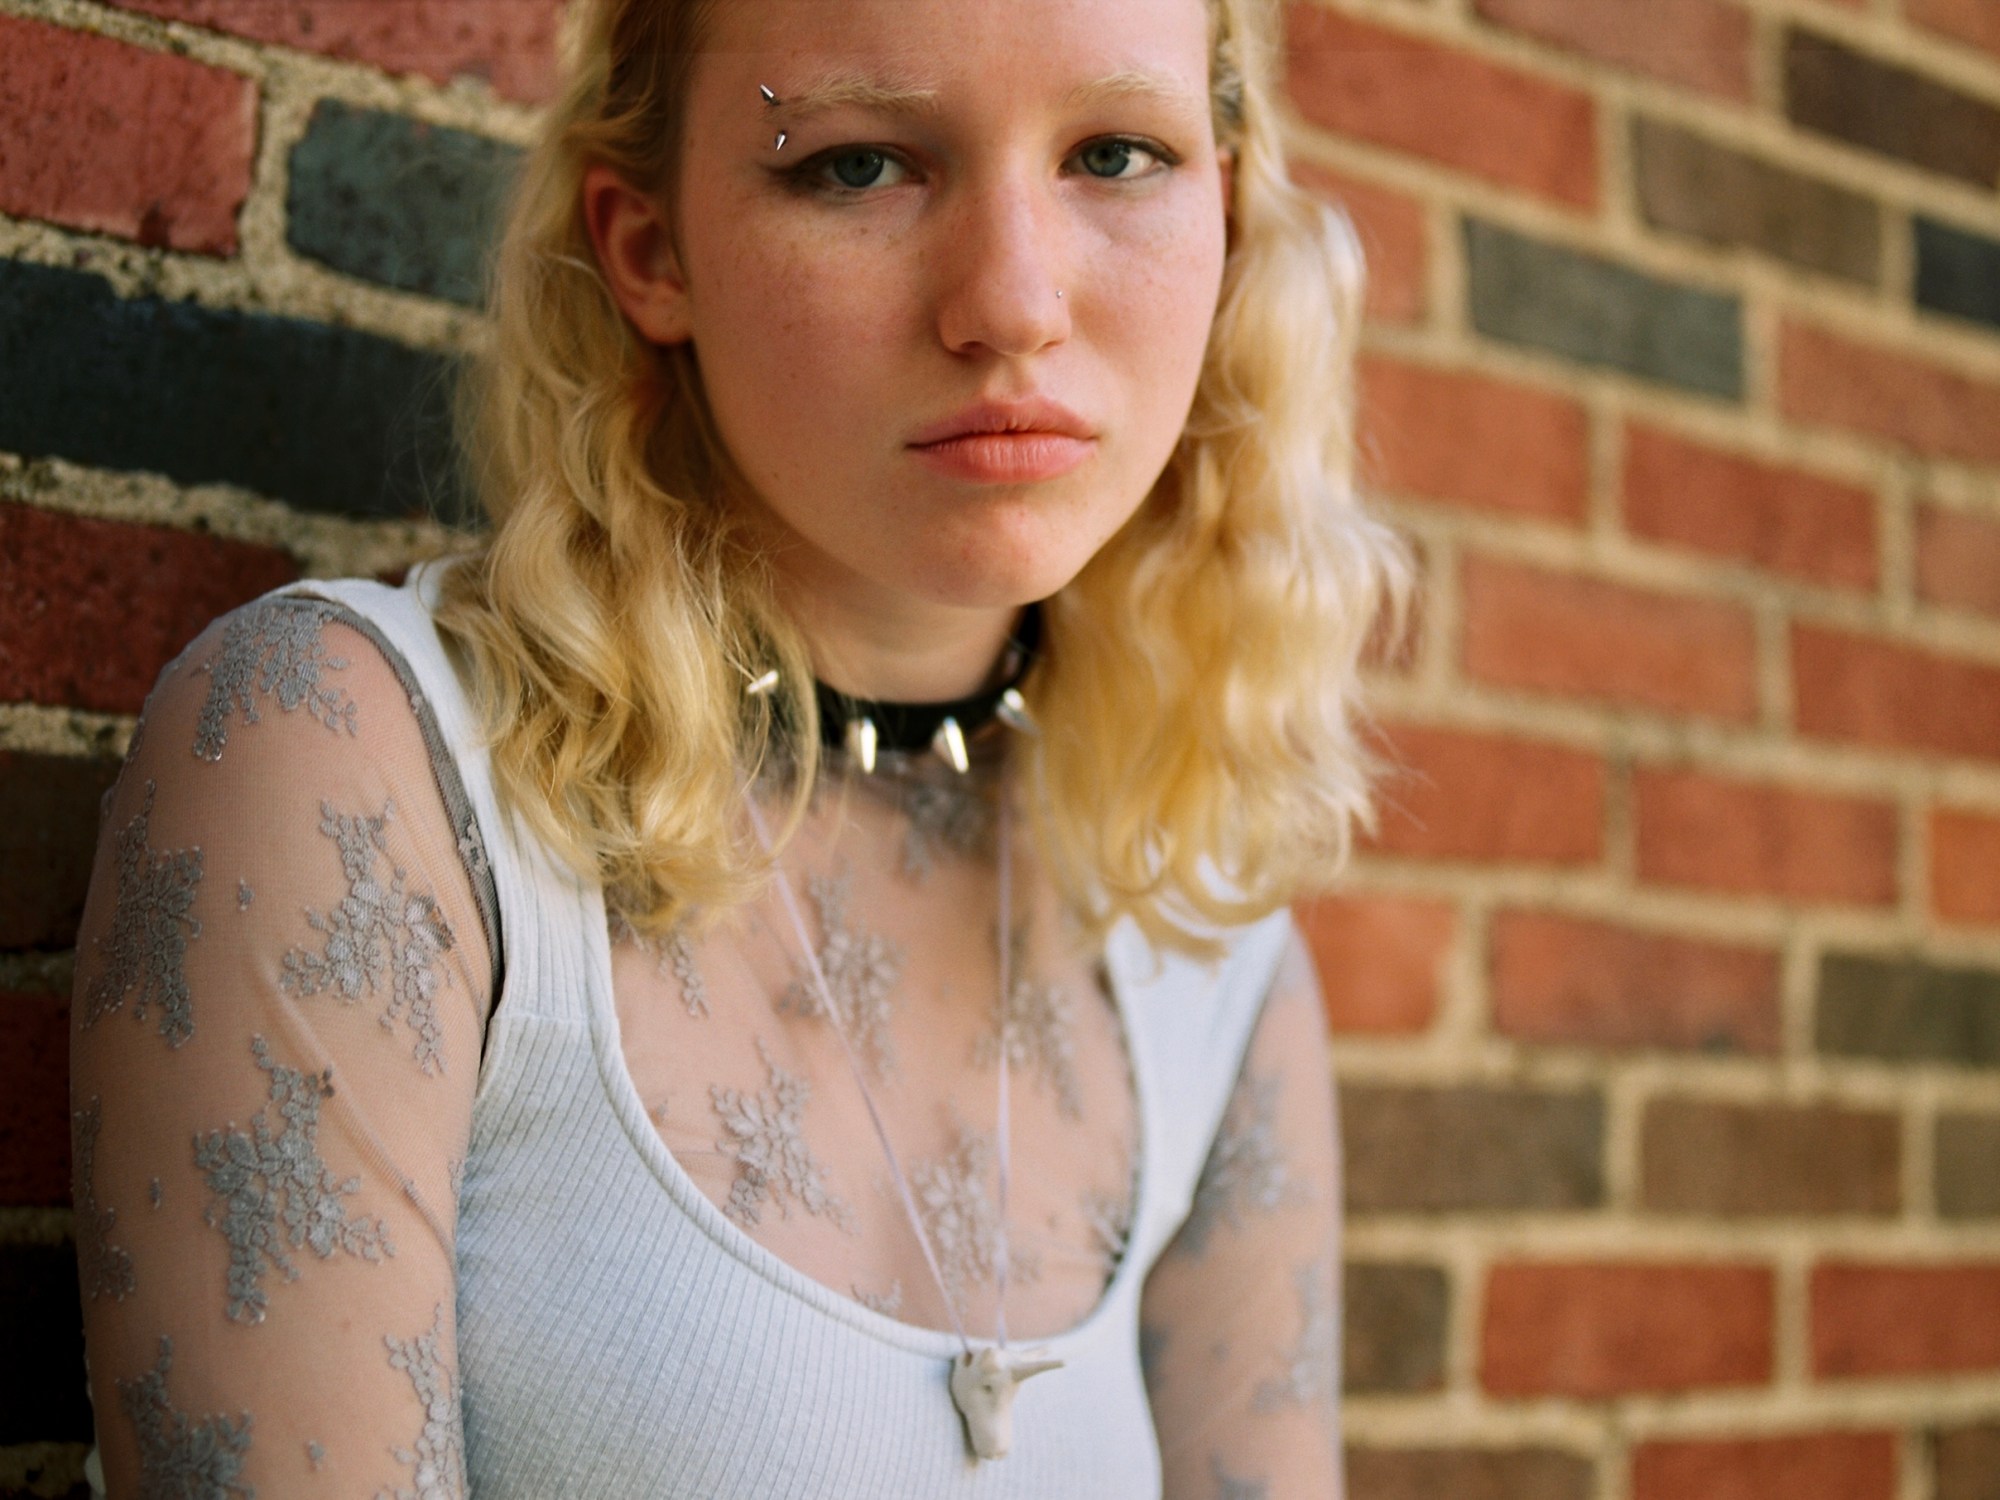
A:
x: 1241, y: 1314
x: 281, y: 984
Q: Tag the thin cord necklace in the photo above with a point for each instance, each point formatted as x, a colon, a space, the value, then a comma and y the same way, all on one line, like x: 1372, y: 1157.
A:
x: 983, y: 1380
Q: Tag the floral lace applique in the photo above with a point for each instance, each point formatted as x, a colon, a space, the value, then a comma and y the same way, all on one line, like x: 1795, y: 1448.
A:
x: 1246, y: 1166
x: 104, y: 1269
x: 438, y: 1460
x: 1038, y: 1030
x: 962, y: 1220
x: 379, y: 932
x: 888, y: 1303
x: 673, y: 956
x: 250, y: 1173
x: 1229, y: 1487
x: 1109, y: 1216
x: 1310, y: 1372
x: 273, y: 648
x: 952, y: 815
x: 150, y: 930
x: 861, y: 972
x: 472, y: 849
x: 772, y: 1162
x: 178, y: 1457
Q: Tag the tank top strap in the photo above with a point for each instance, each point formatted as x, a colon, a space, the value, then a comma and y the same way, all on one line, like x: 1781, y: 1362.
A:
x: 1190, y: 1025
x: 543, y: 910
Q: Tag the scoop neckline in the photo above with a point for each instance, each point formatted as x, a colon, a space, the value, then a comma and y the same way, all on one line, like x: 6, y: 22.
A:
x: 623, y: 1096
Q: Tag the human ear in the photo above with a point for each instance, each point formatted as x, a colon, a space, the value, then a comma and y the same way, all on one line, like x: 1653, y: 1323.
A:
x: 635, y: 251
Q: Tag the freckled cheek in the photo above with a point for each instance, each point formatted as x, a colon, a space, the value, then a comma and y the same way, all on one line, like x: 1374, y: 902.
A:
x: 797, y: 345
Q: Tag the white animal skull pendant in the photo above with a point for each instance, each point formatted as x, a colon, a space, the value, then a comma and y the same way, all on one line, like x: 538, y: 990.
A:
x: 983, y: 1387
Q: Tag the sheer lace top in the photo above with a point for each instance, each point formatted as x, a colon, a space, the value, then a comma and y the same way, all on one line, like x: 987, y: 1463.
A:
x: 287, y: 968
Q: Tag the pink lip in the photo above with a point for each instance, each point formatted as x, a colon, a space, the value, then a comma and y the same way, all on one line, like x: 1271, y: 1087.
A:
x: 1030, y: 414
x: 1005, y: 457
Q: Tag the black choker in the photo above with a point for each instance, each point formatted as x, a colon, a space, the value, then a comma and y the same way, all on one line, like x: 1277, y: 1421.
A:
x: 863, y: 726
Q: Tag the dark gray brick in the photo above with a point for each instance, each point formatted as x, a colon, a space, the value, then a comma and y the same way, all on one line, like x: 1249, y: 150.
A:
x: 1967, y: 1462
x: 1393, y: 1327
x: 1891, y: 111
x: 1468, y: 1474
x: 1600, y: 312
x: 48, y: 837
x: 1968, y: 1166
x: 397, y: 201
x: 1701, y: 188
x: 329, y: 419
x: 42, y: 1397
x: 1429, y: 1150
x: 1719, y: 1157
x: 1902, y: 1009
x: 1958, y: 272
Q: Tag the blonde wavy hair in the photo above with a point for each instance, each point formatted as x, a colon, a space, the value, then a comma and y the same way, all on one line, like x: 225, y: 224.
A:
x: 1197, y: 682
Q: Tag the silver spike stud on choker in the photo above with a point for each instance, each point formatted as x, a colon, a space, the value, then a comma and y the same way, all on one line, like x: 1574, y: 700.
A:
x: 864, y: 727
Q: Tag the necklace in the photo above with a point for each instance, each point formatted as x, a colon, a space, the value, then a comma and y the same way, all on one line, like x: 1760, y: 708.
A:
x: 983, y: 1381
x: 864, y: 726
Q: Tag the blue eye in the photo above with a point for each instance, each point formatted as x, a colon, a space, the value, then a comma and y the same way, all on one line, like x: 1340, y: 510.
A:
x: 853, y: 172
x: 858, y: 169
x: 1109, y: 159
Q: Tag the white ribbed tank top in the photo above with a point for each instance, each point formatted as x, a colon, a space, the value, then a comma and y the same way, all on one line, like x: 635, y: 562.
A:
x: 620, y: 1339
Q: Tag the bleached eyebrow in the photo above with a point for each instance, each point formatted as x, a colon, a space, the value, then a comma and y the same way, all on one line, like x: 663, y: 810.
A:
x: 851, y: 91
x: 855, y: 91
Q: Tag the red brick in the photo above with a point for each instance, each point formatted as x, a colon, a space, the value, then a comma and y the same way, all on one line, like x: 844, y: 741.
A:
x: 98, y: 135
x: 1394, y: 240
x: 1565, y: 979
x: 1873, y: 1319
x: 1378, y: 958
x: 1976, y: 22
x: 1854, y: 687
x: 1803, y: 1466
x: 1459, y: 794
x: 1473, y: 440
x: 34, y: 1100
x: 1526, y: 627
x: 1593, y: 1330
x: 1958, y: 559
x: 1776, y: 517
x: 1402, y: 91
x: 93, y: 609
x: 1965, y: 865
x: 1750, y: 837
x: 1698, y: 44
x: 1884, y: 393
x: 511, y: 43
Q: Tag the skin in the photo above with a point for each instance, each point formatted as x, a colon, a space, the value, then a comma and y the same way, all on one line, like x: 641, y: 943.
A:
x: 911, y: 271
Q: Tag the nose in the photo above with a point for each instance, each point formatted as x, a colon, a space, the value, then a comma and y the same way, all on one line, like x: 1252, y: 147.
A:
x: 1002, y: 254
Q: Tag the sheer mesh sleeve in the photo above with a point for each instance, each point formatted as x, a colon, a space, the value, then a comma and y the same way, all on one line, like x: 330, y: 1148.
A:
x: 282, y: 982
x: 1241, y: 1315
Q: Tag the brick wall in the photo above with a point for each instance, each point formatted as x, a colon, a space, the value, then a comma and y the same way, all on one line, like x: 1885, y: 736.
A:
x: 240, y: 245
x: 1667, y: 1002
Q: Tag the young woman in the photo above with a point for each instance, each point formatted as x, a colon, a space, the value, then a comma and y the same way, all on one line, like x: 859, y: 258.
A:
x: 770, y: 975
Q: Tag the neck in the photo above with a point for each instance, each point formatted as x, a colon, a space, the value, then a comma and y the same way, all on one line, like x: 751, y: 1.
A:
x: 872, y: 645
